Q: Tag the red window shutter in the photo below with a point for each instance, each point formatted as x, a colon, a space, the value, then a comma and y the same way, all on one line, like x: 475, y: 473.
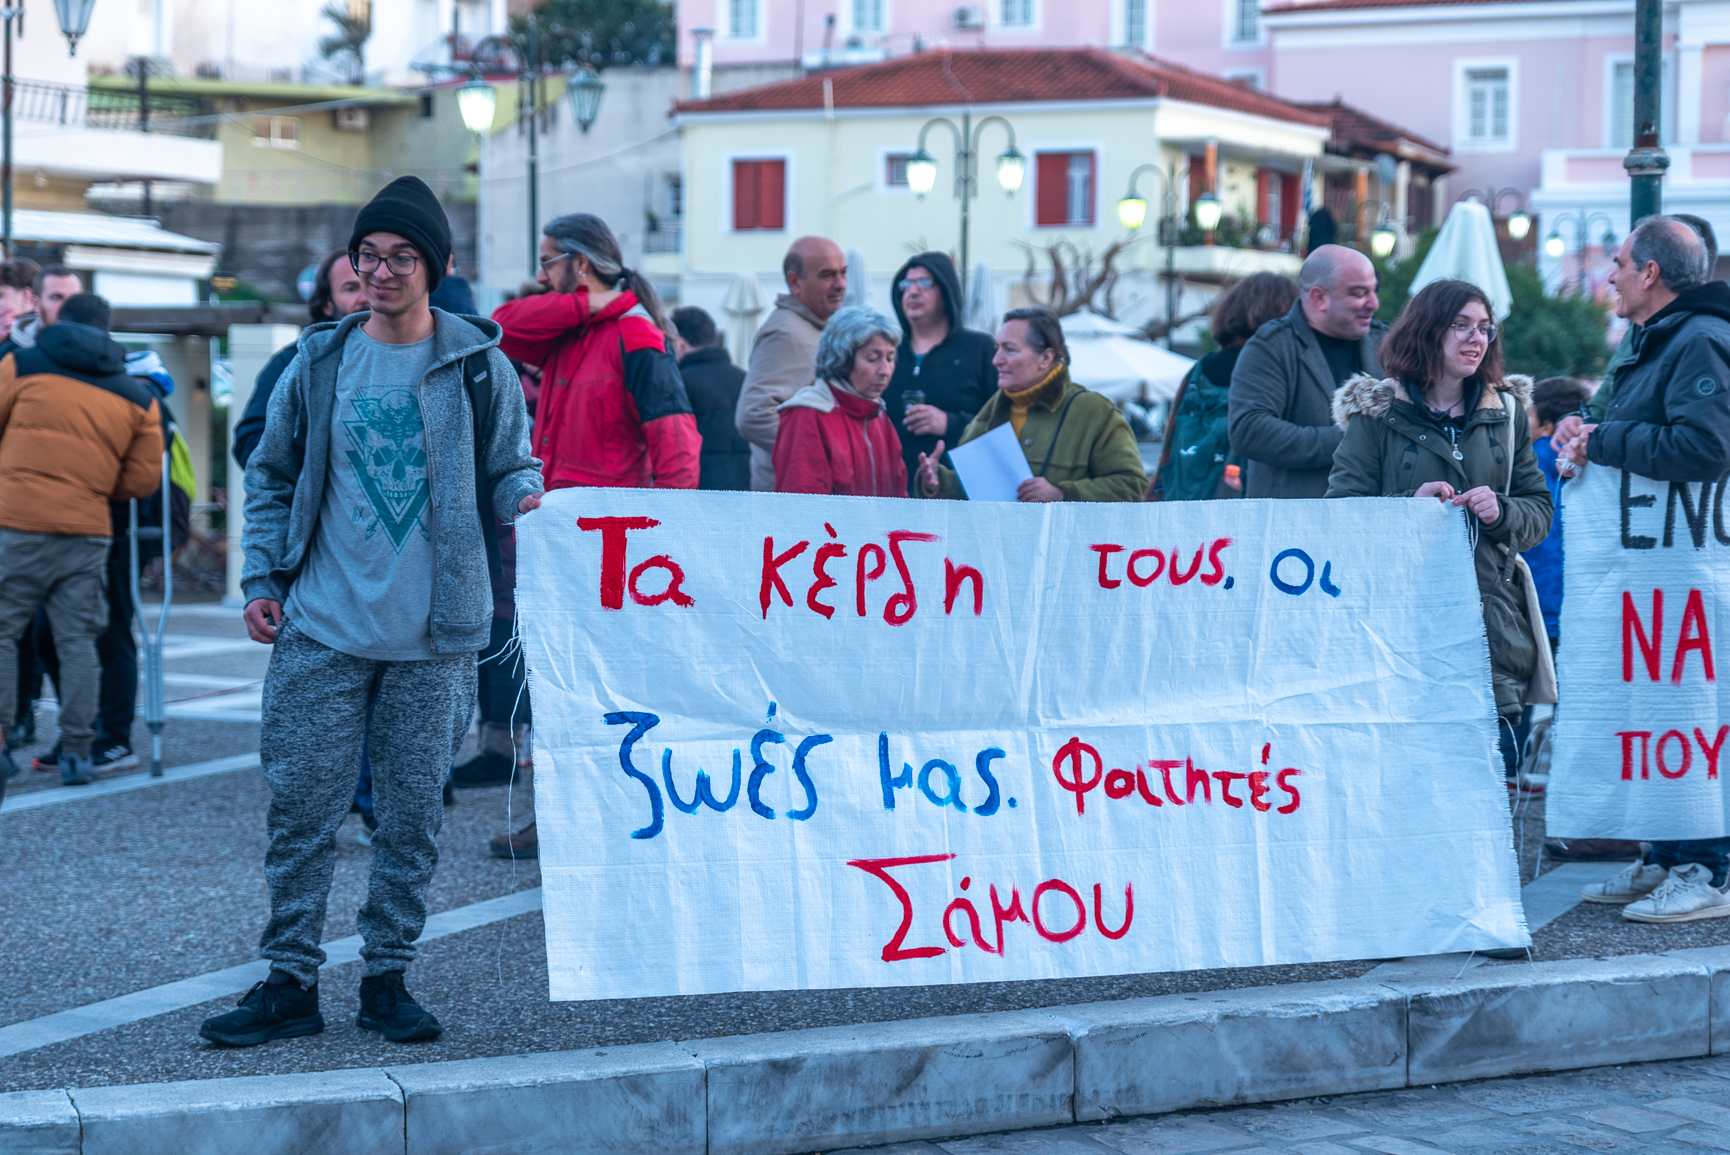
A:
x: 1051, y: 189
x: 1197, y: 176
x: 772, y: 195
x: 1085, y: 216
x: 1262, y: 180
x: 745, y: 210
x: 1289, y: 199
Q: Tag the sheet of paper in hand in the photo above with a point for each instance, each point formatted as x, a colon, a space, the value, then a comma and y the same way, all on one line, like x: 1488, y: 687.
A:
x: 1642, y: 723
x: 786, y: 741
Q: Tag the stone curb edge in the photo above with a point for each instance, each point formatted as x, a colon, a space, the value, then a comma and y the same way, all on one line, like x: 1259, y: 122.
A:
x: 877, y: 1083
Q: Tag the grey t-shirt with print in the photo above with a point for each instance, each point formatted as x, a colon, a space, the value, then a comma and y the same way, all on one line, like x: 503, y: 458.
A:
x: 366, y: 587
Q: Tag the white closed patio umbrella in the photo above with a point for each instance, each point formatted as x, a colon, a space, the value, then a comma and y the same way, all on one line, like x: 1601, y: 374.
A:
x: 858, y: 286
x: 1466, y: 250
x: 981, y: 310
x: 744, y: 305
x: 1112, y: 358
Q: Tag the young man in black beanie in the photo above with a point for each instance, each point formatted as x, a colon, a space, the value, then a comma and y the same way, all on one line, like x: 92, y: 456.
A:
x: 367, y: 568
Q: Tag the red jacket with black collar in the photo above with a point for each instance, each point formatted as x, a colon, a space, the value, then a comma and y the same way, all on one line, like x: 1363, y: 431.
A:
x: 612, y: 409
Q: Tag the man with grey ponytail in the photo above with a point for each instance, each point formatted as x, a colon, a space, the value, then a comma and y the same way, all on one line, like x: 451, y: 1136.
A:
x: 613, y: 409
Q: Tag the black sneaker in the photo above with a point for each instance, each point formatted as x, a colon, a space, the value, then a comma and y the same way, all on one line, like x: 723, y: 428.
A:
x: 484, y: 769
x: 114, y: 756
x: 388, y: 1008
x: 277, y: 1008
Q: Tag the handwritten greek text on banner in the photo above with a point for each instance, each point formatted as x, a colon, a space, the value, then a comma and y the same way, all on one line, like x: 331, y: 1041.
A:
x: 799, y: 742
x: 1641, y: 728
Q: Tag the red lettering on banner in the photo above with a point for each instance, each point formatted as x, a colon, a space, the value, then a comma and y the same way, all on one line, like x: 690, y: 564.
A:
x: 1194, y: 776
x: 1119, y: 784
x: 1071, y: 768
x: 613, y: 531
x: 1711, y: 749
x: 1645, y: 737
x: 1687, y: 754
x: 879, y: 868
x: 1105, y: 552
x: 1165, y: 767
x: 1135, y: 579
x: 1693, y: 635
x: 1258, y: 791
x: 1633, y: 631
x: 827, y: 552
x: 1069, y: 892
x: 1225, y: 778
x: 1074, y: 751
x: 1142, y: 788
x: 1296, y: 798
x: 772, y: 563
x: 1194, y: 566
x: 1128, y: 912
x: 1001, y: 914
x: 953, y: 576
x: 901, y: 608
x: 675, y: 590
x: 1216, y: 572
x: 861, y: 575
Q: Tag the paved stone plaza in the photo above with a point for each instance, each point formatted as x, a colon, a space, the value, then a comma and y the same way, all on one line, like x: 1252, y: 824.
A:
x: 1656, y: 1108
x: 143, y: 901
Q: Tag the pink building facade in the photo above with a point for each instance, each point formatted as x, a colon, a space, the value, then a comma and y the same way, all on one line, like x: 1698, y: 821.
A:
x: 1532, y: 98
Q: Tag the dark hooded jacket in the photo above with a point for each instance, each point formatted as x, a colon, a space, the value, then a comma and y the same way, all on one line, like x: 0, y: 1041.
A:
x: 956, y: 375
x: 1669, y: 412
x: 1391, y: 447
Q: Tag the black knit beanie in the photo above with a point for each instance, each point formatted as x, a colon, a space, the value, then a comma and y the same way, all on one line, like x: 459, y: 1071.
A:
x: 408, y: 208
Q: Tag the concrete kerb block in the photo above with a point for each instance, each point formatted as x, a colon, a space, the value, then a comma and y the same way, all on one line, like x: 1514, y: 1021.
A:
x: 357, y: 1112
x: 1211, y: 1049
x: 647, y: 1097
x: 38, y: 1123
x: 877, y: 1083
x: 1555, y: 1016
x: 1716, y: 960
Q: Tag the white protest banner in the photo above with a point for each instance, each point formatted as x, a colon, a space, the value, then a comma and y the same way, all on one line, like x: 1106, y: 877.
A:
x: 787, y: 741
x: 1641, y: 726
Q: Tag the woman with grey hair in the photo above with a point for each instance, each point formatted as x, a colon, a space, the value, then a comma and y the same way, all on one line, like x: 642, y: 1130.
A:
x: 835, y: 436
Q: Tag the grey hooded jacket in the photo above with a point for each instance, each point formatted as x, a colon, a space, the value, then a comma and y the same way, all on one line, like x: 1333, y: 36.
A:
x: 285, y: 476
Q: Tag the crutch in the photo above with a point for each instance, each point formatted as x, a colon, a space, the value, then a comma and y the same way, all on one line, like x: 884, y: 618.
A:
x: 155, y: 708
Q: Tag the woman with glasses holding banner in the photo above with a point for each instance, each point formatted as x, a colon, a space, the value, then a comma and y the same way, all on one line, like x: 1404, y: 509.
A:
x: 1447, y: 424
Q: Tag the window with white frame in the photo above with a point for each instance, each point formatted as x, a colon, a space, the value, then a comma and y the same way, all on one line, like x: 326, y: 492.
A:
x: 275, y: 132
x: 1621, y: 132
x: 1017, y: 13
x: 868, y: 15
x: 1245, y: 21
x: 1135, y: 23
x: 1489, y: 106
x: 742, y: 19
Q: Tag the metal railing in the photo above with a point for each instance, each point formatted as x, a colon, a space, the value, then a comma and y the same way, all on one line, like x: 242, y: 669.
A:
x: 664, y: 239
x: 76, y: 106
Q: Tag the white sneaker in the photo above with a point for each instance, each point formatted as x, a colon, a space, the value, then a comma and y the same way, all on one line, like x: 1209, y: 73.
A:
x: 1634, y: 883
x: 1686, y: 895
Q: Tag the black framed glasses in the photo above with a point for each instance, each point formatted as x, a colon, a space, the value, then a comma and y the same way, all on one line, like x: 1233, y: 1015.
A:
x: 921, y: 283
x: 402, y: 264
x: 1463, y: 330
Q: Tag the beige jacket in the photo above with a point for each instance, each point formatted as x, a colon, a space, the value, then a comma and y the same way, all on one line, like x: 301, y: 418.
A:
x: 783, y: 361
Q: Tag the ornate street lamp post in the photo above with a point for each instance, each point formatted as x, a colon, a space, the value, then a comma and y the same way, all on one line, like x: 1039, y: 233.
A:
x: 922, y: 169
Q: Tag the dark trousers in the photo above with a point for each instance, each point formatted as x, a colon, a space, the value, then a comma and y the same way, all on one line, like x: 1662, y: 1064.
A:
x: 116, y: 650
x: 1712, y: 853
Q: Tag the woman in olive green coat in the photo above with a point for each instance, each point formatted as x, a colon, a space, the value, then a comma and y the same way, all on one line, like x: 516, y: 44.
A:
x: 1077, y: 444
x: 1446, y: 425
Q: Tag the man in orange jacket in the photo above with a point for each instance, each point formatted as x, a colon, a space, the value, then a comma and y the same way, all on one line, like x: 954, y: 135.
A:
x: 76, y: 432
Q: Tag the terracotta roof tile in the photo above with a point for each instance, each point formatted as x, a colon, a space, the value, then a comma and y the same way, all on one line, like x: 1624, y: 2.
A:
x: 1005, y: 76
x: 1354, y: 124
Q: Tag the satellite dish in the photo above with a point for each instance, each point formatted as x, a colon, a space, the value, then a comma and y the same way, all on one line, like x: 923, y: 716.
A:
x: 1387, y: 168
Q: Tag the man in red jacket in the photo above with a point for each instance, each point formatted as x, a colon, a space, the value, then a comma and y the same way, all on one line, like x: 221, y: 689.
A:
x: 613, y: 409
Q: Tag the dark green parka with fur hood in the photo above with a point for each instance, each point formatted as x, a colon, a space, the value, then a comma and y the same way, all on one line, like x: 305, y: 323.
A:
x: 1392, y: 446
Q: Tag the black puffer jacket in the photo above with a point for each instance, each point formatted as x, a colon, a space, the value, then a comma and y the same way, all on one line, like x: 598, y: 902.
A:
x: 956, y: 375
x: 1669, y: 413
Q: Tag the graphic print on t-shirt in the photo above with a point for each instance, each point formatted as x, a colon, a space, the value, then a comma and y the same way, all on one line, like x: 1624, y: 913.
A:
x: 388, y: 454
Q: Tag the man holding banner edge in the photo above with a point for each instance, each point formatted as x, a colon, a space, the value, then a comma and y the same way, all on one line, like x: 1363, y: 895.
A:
x: 1669, y: 419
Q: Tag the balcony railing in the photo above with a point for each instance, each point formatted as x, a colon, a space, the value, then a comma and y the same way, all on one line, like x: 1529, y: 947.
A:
x: 78, y: 107
x: 664, y: 238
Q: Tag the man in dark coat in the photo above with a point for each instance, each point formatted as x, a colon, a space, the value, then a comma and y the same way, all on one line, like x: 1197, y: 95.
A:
x: 712, y: 382
x: 1280, y: 413
x: 1668, y: 419
x: 939, y: 358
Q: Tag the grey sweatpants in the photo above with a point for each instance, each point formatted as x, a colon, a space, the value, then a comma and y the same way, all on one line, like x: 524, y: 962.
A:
x: 70, y: 574
x: 315, y: 711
